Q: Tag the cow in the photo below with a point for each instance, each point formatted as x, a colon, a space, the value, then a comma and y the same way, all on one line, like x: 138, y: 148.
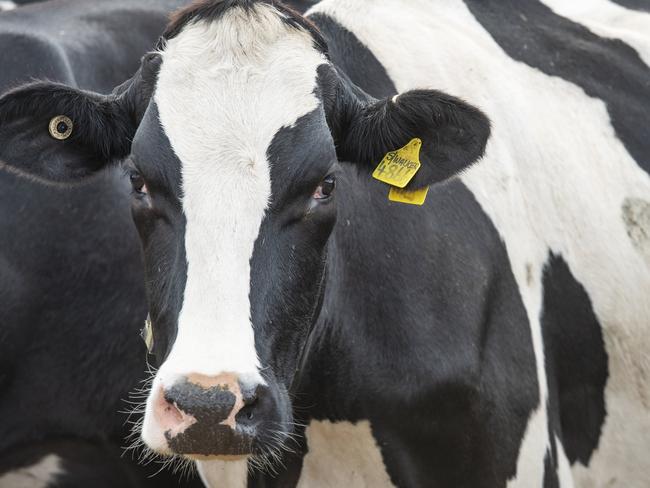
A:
x: 313, y: 326
x: 71, y: 291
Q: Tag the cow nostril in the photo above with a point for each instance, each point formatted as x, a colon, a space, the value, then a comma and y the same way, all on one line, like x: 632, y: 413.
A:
x: 249, y: 406
x: 252, y: 402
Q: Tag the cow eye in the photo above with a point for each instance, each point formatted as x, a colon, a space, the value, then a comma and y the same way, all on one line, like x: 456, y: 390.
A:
x: 325, y: 189
x: 137, y: 182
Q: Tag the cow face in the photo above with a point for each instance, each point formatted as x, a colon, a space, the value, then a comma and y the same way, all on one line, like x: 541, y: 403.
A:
x: 234, y: 200
x: 234, y: 168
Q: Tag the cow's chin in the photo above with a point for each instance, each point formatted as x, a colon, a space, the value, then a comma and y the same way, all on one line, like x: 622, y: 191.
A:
x: 217, y: 457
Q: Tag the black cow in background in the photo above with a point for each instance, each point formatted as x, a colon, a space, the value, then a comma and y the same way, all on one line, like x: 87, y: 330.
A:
x: 71, y: 293
x: 91, y: 44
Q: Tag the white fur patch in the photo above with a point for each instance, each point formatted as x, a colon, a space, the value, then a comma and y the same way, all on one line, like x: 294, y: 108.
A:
x: 608, y: 19
x: 555, y: 176
x: 342, y: 454
x: 5, y: 5
x: 223, y: 474
x: 224, y: 90
x: 38, y: 475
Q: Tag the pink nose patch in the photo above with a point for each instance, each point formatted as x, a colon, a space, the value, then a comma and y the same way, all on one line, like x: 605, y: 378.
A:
x: 170, y: 418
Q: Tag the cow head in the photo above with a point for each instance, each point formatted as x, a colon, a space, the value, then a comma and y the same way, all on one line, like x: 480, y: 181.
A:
x: 233, y: 167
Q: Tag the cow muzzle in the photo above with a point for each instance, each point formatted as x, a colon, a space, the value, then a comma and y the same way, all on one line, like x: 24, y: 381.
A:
x: 211, y: 416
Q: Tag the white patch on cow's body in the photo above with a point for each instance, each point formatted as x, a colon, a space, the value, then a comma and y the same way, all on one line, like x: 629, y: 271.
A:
x: 342, y: 454
x: 563, y: 466
x: 38, y: 475
x: 224, y: 90
x: 608, y: 19
x: 555, y: 177
x: 223, y: 474
x: 5, y: 5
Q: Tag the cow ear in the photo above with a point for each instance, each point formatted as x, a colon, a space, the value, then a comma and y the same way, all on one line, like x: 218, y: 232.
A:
x: 453, y: 133
x: 61, y: 133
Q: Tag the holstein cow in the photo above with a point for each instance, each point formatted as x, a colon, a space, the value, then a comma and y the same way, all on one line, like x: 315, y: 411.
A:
x: 496, y: 336
x: 72, y: 299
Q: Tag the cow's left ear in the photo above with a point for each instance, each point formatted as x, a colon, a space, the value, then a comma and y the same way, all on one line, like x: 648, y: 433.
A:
x: 453, y: 133
x: 61, y: 133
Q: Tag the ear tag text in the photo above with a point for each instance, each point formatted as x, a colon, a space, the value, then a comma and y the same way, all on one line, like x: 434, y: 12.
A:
x: 416, y: 197
x: 399, y: 167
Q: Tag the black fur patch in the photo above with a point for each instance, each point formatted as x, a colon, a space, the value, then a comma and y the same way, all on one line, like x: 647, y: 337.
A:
x: 642, y: 5
x: 607, y: 69
x: 353, y: 59
x: 550, y: 472
x: 576, y: 361
x: 161, y: 228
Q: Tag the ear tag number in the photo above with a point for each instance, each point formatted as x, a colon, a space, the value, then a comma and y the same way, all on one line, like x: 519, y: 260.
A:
x: 147, y: 334
x: 399, y: 167
x: 416, y: 197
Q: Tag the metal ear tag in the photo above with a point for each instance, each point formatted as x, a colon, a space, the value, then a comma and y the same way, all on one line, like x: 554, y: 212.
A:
x: 60, y: 127
x: 147, y: 334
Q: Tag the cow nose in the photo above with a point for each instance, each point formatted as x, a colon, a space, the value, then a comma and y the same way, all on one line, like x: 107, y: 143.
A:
x: 207, y: 415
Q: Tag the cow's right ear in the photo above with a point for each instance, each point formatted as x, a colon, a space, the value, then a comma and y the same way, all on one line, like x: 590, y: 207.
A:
x: 61, y: 133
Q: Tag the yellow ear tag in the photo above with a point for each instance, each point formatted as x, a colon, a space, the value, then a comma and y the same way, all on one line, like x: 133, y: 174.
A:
x: 416, y: 197
x: 399, y: 167
x: 147, y: 334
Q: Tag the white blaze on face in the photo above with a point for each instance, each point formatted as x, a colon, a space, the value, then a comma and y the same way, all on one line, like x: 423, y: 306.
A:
x: 224, y: 90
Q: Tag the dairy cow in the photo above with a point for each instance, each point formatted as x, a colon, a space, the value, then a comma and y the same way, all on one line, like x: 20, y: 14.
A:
x: 71, y: 295
x: 313, y: 329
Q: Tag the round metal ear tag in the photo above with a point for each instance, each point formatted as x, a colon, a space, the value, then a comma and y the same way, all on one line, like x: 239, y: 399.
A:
x: 147, y: 334
x: 60, y: 127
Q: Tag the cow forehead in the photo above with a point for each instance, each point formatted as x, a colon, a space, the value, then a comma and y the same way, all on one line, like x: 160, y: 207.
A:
x: 227, y: 86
